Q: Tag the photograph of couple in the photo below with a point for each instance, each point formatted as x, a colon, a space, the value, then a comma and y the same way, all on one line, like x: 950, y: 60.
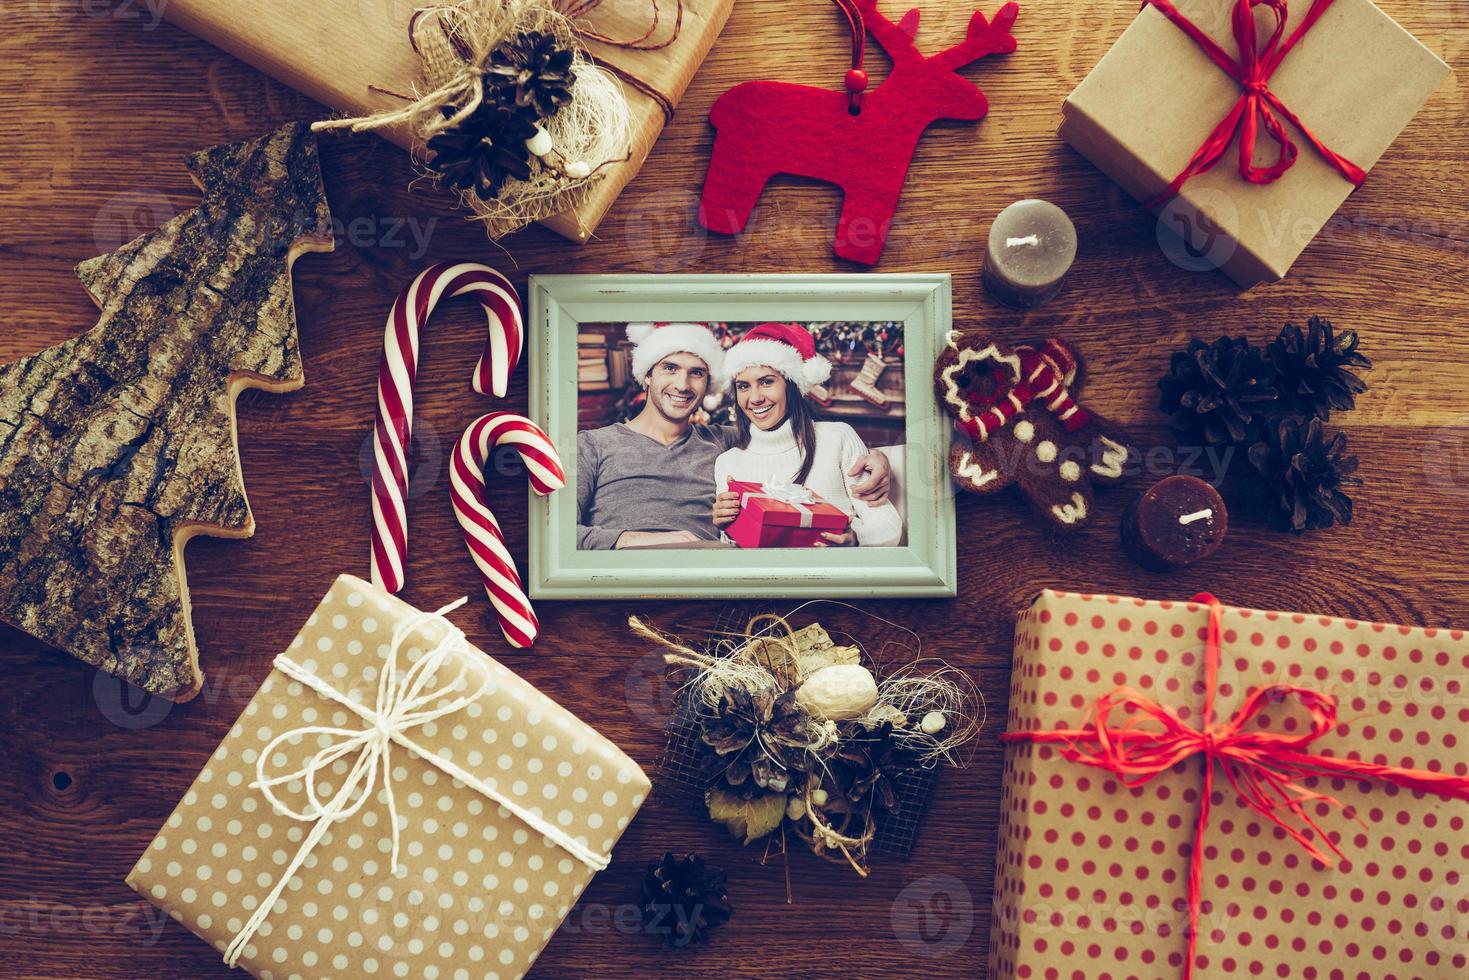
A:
x: 740, y: 435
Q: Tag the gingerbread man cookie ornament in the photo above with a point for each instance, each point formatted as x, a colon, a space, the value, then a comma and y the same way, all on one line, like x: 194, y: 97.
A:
x: 1018, y: 422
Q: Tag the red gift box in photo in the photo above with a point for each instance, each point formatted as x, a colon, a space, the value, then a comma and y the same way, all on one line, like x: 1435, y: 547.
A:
x: 782, y: 516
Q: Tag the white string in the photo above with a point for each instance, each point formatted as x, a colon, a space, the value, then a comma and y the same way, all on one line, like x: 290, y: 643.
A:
x: 400, y: 704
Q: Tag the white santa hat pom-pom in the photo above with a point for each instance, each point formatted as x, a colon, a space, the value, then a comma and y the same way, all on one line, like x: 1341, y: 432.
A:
x: 816, y: 370
x: 712, y: 402
x: 639, y: 332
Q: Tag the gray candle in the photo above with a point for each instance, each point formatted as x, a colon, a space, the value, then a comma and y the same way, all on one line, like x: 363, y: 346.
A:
x: 1032, y: 245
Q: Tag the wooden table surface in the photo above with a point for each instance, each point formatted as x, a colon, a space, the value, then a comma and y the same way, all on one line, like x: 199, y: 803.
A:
x: 103, y: 103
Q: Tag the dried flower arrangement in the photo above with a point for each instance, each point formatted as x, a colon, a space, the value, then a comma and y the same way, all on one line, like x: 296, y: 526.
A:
x: 512, y: 111
x: 799, y: 736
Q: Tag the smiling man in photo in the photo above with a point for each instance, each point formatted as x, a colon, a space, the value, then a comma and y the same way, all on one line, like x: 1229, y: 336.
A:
x: 649, y: 481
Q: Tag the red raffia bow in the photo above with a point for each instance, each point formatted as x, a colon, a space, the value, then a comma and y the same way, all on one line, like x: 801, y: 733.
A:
x: 1257, y: 104
x: 1263, y: 767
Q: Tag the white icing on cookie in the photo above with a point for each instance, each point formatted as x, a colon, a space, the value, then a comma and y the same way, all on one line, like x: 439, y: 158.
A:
x: 1114, y: 454
x: 1073, y: 512
x: 969, y: 469
x: 950, y: 375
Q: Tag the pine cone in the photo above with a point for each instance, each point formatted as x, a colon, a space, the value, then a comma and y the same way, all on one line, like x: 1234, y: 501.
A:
x: 483, y: 151
x: 1311, y: 369
x: 531, y: 71
x: 1218, y: 392
x: 1301, y: 475
x: 867, y: 765
x: 760, y: 735
x: 681, y: 901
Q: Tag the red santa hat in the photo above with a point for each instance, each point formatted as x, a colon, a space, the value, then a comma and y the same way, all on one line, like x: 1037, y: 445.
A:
x: 786, y: 347
x: 655, y: 341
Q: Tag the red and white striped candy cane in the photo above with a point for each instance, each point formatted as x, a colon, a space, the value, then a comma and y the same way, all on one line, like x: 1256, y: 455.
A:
x: 395, y: 379
x: 481, y: 530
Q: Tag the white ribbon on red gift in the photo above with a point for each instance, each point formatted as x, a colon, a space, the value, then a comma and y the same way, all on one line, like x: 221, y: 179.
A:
x: 404, y: 701
x: 787, y: 493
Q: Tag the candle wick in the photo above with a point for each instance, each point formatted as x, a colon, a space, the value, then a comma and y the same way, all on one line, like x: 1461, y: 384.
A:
x: 1201, y: 515
x: 1027, y: 240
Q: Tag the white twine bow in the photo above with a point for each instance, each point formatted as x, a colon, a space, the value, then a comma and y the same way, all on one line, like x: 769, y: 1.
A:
x: 404, y: 701
x: 787, y: 493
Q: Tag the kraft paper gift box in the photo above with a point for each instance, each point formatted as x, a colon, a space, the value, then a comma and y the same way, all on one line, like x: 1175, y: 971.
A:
x: 1355, y: 80
x: 782, y: 517
x: 1090, y: 878
x: 478, y: 887
x: 345, y: 53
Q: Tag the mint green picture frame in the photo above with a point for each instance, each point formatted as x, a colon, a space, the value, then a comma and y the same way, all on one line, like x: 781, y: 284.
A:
x: 924, y: 567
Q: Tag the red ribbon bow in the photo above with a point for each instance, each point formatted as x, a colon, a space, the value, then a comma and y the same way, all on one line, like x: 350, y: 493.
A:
x: 1263, y: 767
x: 1257, y: 104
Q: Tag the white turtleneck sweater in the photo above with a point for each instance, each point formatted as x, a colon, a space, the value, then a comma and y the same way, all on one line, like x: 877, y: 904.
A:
x: 774, y: 455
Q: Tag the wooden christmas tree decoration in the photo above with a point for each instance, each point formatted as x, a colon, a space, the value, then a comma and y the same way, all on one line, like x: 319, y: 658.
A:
x: 119, y: 445
x: 861, y: 141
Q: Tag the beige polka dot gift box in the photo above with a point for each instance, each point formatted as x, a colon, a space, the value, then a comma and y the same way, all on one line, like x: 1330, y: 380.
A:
x: 1197, y: 790
x: 391, y: 803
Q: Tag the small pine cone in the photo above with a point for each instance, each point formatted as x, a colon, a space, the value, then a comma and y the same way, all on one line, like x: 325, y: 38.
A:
x: 682, y: 901
x: 531, y: 71
x: 1218, y: 392
x: 1312, y: 369
x: 1300, y: 475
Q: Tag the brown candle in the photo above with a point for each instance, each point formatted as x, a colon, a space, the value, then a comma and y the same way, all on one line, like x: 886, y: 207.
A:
x: 1179, y: 521
x: 1031, y: 247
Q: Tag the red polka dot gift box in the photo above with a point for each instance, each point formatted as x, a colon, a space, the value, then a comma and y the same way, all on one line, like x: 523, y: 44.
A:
x: 1197, y: 790
x: 391, y: 803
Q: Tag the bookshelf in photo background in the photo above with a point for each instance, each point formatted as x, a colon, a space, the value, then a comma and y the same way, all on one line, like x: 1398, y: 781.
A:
x: 603, y: 373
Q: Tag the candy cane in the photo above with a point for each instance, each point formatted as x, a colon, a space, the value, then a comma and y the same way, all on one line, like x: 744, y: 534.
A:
x: 481, y: 531
x: 395, y: 379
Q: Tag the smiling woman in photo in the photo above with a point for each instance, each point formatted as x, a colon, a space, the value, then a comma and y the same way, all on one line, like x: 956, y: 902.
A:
x: 780, y: 441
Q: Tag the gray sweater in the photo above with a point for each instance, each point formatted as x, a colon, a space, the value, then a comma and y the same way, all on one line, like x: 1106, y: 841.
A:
x: 626, y: 481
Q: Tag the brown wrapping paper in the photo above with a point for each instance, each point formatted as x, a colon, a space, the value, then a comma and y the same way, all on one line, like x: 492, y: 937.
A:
x: 336, y: 51
x: 476, y: 888
x: 1356, y: 80
x: 1090, y: 879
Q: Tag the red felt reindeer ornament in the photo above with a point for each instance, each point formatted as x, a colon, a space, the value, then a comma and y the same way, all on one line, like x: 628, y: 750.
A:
x: 861, y: 141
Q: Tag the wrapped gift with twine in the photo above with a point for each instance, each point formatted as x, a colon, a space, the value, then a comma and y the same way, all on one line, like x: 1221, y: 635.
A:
x: 391, y: 802
x: 413, y: 71
x: 1197, y: 790
x: 1247, y: 123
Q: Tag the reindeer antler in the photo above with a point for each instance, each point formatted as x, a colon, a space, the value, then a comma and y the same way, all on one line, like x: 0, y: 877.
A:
x: 894, y: 40
x: 985, y: 38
